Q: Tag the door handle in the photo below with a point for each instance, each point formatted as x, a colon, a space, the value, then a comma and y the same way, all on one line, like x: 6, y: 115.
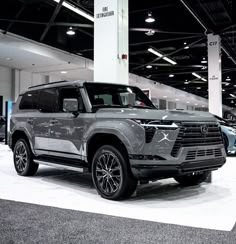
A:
x: 54, y: 121
x: 30, y: 121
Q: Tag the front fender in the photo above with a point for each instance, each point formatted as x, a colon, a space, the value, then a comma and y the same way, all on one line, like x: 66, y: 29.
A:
x: 130, y: 134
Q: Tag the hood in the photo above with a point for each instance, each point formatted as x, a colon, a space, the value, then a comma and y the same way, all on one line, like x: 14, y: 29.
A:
x: 152, y: 114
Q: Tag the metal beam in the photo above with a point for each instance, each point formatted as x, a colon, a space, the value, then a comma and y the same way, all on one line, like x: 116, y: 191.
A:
x: 17, y: 16
x: 169, y: 54
x: 45, y: 23
x: 164, y: 40
x: 54, y: 15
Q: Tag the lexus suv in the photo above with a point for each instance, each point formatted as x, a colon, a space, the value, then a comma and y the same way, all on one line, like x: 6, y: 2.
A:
x: 116, y: 133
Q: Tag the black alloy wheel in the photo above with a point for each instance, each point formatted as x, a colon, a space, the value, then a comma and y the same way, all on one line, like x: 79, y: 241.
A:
x: 111, y: 175
x: 23, y: 159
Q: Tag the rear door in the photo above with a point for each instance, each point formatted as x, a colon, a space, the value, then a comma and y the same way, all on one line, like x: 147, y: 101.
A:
x: 47, y: 108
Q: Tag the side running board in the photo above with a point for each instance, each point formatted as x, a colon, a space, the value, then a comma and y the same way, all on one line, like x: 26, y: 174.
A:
x: 62, y: 166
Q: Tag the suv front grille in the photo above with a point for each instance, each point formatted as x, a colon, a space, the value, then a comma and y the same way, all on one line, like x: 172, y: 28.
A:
x: 191, y: 135
x: 195, y: 154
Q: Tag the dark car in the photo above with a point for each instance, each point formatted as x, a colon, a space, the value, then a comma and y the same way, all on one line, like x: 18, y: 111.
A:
x: 2, y: 128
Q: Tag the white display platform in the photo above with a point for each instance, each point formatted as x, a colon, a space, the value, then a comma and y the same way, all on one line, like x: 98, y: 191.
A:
x: 209, y: 206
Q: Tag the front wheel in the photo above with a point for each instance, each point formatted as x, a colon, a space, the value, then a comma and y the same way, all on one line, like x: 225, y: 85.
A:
x: 111, y: 175
x: 192, y: 179
x: 23, y: 159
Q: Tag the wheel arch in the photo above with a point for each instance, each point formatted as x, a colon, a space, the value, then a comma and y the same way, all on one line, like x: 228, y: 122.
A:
x: 100, y: 139
x: 18, y: 134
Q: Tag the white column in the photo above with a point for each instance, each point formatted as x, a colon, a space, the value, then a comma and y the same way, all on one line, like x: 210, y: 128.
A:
x: 214, y: 75
x: 111, y: 63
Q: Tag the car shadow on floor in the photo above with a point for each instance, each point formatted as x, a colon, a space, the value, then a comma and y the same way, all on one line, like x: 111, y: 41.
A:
x: 163, y: 190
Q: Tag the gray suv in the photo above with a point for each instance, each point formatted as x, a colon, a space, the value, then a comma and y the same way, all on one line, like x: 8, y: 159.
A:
x: 116, y: 133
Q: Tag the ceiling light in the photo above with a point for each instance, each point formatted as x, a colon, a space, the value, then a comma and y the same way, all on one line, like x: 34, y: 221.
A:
x: 195, y: 104
x: 171, y: 75
x: 223, y: 90
x: 199, y: 88
x: 198, y: 76
x: 203, y: 106
x: 232, y: 101
x: 232, y: 95
x: 76, y: 10
x: 204, y: 61
x: 63, y: 72
x: 151, y: 50
x: 177, y: 99
x: 70, y: 32
x: 234, y: 85
x: 185, y: 43
x: 187, y: 102
x: 149, y: 18
x: 164, y: 96
x: 186, y: 82
x: 170, y: 60
x: 149, y: 66
x: 187, y: 47
x: 150, y: 33
x: 228, y: 79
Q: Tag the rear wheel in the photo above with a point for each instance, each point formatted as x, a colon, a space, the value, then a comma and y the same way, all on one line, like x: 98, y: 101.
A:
x: 23, y: 159
x: 111, y: 175
x: 193, y: 178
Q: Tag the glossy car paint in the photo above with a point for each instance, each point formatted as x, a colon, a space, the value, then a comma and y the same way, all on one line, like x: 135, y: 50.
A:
x: 230, y: 133
x: 65, y: 135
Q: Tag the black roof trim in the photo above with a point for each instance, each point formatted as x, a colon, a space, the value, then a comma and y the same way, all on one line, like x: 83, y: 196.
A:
x: 51, y: 83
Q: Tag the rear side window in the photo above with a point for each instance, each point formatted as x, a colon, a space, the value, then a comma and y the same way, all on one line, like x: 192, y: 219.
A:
x: 29, y: 101
x: 48, y: 100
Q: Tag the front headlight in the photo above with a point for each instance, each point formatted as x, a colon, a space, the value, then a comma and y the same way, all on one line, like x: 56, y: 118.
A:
x: 156, y: 123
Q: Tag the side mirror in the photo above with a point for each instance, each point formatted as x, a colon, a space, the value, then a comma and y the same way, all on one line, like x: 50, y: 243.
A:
x: 70, y: 105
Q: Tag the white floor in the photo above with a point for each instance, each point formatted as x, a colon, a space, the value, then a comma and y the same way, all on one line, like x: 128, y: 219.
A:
x: 210, y: 206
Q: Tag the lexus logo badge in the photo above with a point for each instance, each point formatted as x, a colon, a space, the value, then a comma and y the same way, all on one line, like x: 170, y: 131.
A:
x: 204, y: 129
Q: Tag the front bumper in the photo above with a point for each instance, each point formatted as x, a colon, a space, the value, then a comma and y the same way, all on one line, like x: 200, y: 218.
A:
x: 191, y: 159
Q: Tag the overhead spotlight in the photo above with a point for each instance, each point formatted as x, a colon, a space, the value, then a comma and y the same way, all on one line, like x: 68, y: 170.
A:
x: 204, y: 61
x: 228, y: 79
x: 171, y: 75
x: 187, y: 47
x: 185, y: 43
x: 149, y: 66
x: 149, y: 18
x: 223, y: 90
x: 70, y: 32
x: 150, y: 33
x: 232, y: 101
x: 186, y: 82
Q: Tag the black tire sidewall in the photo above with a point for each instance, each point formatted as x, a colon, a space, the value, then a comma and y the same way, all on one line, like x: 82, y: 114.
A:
x: 124, y: 171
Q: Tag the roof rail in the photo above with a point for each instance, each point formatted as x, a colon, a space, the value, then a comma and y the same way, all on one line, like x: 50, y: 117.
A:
x: 51, y: 83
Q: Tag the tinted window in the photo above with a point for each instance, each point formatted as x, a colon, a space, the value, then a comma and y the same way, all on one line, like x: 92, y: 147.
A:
x: 109, y: 95
x: 29, y: 100
x: 68, y: 93
x: 48, y: 100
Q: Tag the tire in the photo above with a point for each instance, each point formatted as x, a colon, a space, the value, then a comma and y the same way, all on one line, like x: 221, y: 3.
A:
x: 23, y: 159
x: 226, y: 143
x: 192, y: 179
x: 111, y: 174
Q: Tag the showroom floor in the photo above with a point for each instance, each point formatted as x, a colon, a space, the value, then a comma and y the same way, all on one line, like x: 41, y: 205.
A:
x: 209, y: 206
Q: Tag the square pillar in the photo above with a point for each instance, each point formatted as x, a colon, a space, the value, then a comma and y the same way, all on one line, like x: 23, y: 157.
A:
x: 111, y: 29
x: 214, y: 75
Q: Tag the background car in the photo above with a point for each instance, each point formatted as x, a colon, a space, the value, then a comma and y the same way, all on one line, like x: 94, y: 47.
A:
x: 229, y: 134
x: 2, y: 128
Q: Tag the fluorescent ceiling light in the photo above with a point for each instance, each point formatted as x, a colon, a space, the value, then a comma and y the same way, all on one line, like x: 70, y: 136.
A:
x: 76, y: 10
x: 63, y: 72
x: 171, y: 75
x: 170, y: 60
x: 228, y: 79
x: 198, y: 76
x: 204, y: 62
x: 187, y: 47
x: 151, y: 50
x: 232, y: 95
x: 149, y: 66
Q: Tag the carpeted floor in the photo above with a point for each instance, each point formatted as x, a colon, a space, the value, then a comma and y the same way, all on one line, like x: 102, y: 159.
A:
x: 23, y: 223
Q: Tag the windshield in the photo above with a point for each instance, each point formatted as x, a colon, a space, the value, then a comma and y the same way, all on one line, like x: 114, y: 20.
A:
x: 109, y: 95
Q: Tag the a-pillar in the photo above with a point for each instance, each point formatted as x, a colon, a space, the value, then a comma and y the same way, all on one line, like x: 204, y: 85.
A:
x: 111, y: 62
x: 214, y: 75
